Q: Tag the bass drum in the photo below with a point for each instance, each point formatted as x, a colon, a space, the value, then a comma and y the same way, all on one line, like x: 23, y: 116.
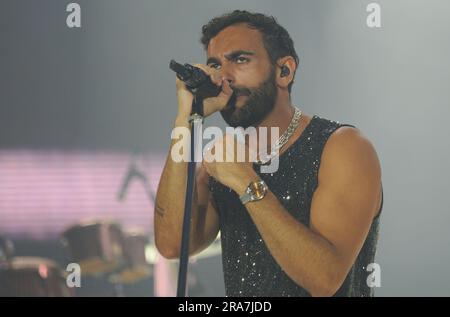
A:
x: 95, y: 246
x: 136, y: 266
x: 33, y: 277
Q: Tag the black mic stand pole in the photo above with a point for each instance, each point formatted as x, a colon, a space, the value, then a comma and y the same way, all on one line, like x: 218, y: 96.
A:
x: 195, y: 124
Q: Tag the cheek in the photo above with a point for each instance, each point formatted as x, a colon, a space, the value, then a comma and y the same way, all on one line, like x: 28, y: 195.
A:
x: 251, y: 75
x: 247, y: 78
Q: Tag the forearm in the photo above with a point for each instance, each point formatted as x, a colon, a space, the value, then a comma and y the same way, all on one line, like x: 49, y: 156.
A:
x: 309, y: 259
x: 170, y: 197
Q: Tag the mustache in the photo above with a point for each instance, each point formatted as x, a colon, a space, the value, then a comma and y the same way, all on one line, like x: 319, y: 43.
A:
x: 241, y: 91
x: 237, y: 91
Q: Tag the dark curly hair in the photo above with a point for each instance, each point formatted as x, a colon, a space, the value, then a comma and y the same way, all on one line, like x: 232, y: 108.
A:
x: 277, y: 40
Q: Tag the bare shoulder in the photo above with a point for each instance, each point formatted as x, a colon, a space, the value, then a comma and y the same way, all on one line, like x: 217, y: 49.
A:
x: 350, y: 161
x: 348, y: 145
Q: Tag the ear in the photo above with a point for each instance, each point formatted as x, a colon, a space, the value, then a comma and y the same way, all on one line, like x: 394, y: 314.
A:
x: 289, y: 62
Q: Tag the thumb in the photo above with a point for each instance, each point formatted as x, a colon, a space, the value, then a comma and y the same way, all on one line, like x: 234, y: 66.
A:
x: 225, y: 94
x: 226, y: 89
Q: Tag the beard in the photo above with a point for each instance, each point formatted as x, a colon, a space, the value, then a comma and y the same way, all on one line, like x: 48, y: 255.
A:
x: 260, y: 102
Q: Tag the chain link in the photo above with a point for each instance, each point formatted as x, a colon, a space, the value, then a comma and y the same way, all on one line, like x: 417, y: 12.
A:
x: 284, y: 138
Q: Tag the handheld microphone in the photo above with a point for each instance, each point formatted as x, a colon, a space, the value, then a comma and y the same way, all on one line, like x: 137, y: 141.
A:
x: 196, y: 80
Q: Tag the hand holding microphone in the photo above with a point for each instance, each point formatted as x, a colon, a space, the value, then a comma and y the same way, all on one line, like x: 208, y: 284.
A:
x: 204, y: 82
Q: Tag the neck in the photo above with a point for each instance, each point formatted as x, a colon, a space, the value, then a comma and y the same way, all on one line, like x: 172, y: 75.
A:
x: 280, y: 116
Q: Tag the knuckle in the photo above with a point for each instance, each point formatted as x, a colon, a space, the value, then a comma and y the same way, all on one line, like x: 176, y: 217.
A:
x: 203, y: 67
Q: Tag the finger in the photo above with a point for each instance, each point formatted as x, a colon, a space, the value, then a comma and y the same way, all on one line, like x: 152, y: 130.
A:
x: 225, y: 95
x: 182, y: 90
x: 208, y: 70
x: 226, y: 88
x: 180, y: 84
x: 216, y: 79
x: 214, y: 74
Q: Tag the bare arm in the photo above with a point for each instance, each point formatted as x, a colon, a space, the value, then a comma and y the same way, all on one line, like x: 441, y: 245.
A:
x: 169, y: 210
x: 342, y: 209
x: 344, y: 204
x: 170, y: 197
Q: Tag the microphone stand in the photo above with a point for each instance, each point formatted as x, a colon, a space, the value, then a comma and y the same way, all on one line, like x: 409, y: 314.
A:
x: 134, y: 172
x: 195, y: 125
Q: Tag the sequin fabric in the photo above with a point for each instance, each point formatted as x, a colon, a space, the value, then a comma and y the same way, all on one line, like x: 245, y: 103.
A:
x: 248, y: 267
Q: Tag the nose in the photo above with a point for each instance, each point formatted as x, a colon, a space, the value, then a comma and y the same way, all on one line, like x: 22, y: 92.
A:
x: 227, y: 73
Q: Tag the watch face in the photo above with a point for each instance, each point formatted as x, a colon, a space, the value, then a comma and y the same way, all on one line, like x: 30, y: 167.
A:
x: 258, y: 189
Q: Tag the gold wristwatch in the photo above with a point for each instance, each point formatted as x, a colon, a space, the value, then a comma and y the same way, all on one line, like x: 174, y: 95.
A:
x: 256, y: 190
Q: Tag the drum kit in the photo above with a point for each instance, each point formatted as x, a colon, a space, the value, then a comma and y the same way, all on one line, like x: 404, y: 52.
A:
x: 100, y: 248
x: 29, y: 276
x: 103, y: 249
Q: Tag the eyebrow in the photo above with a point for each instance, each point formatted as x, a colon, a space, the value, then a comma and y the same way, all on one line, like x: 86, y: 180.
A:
x: 230, y: 56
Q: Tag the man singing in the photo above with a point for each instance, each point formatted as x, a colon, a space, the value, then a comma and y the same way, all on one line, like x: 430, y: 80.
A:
x: 308, y: 229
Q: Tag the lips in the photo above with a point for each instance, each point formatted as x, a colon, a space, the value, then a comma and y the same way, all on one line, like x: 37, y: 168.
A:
x: 231, y: 106
x: 241, y: 94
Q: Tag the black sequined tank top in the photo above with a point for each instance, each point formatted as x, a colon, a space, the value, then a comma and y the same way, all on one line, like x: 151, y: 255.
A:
x: 249, y: 268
